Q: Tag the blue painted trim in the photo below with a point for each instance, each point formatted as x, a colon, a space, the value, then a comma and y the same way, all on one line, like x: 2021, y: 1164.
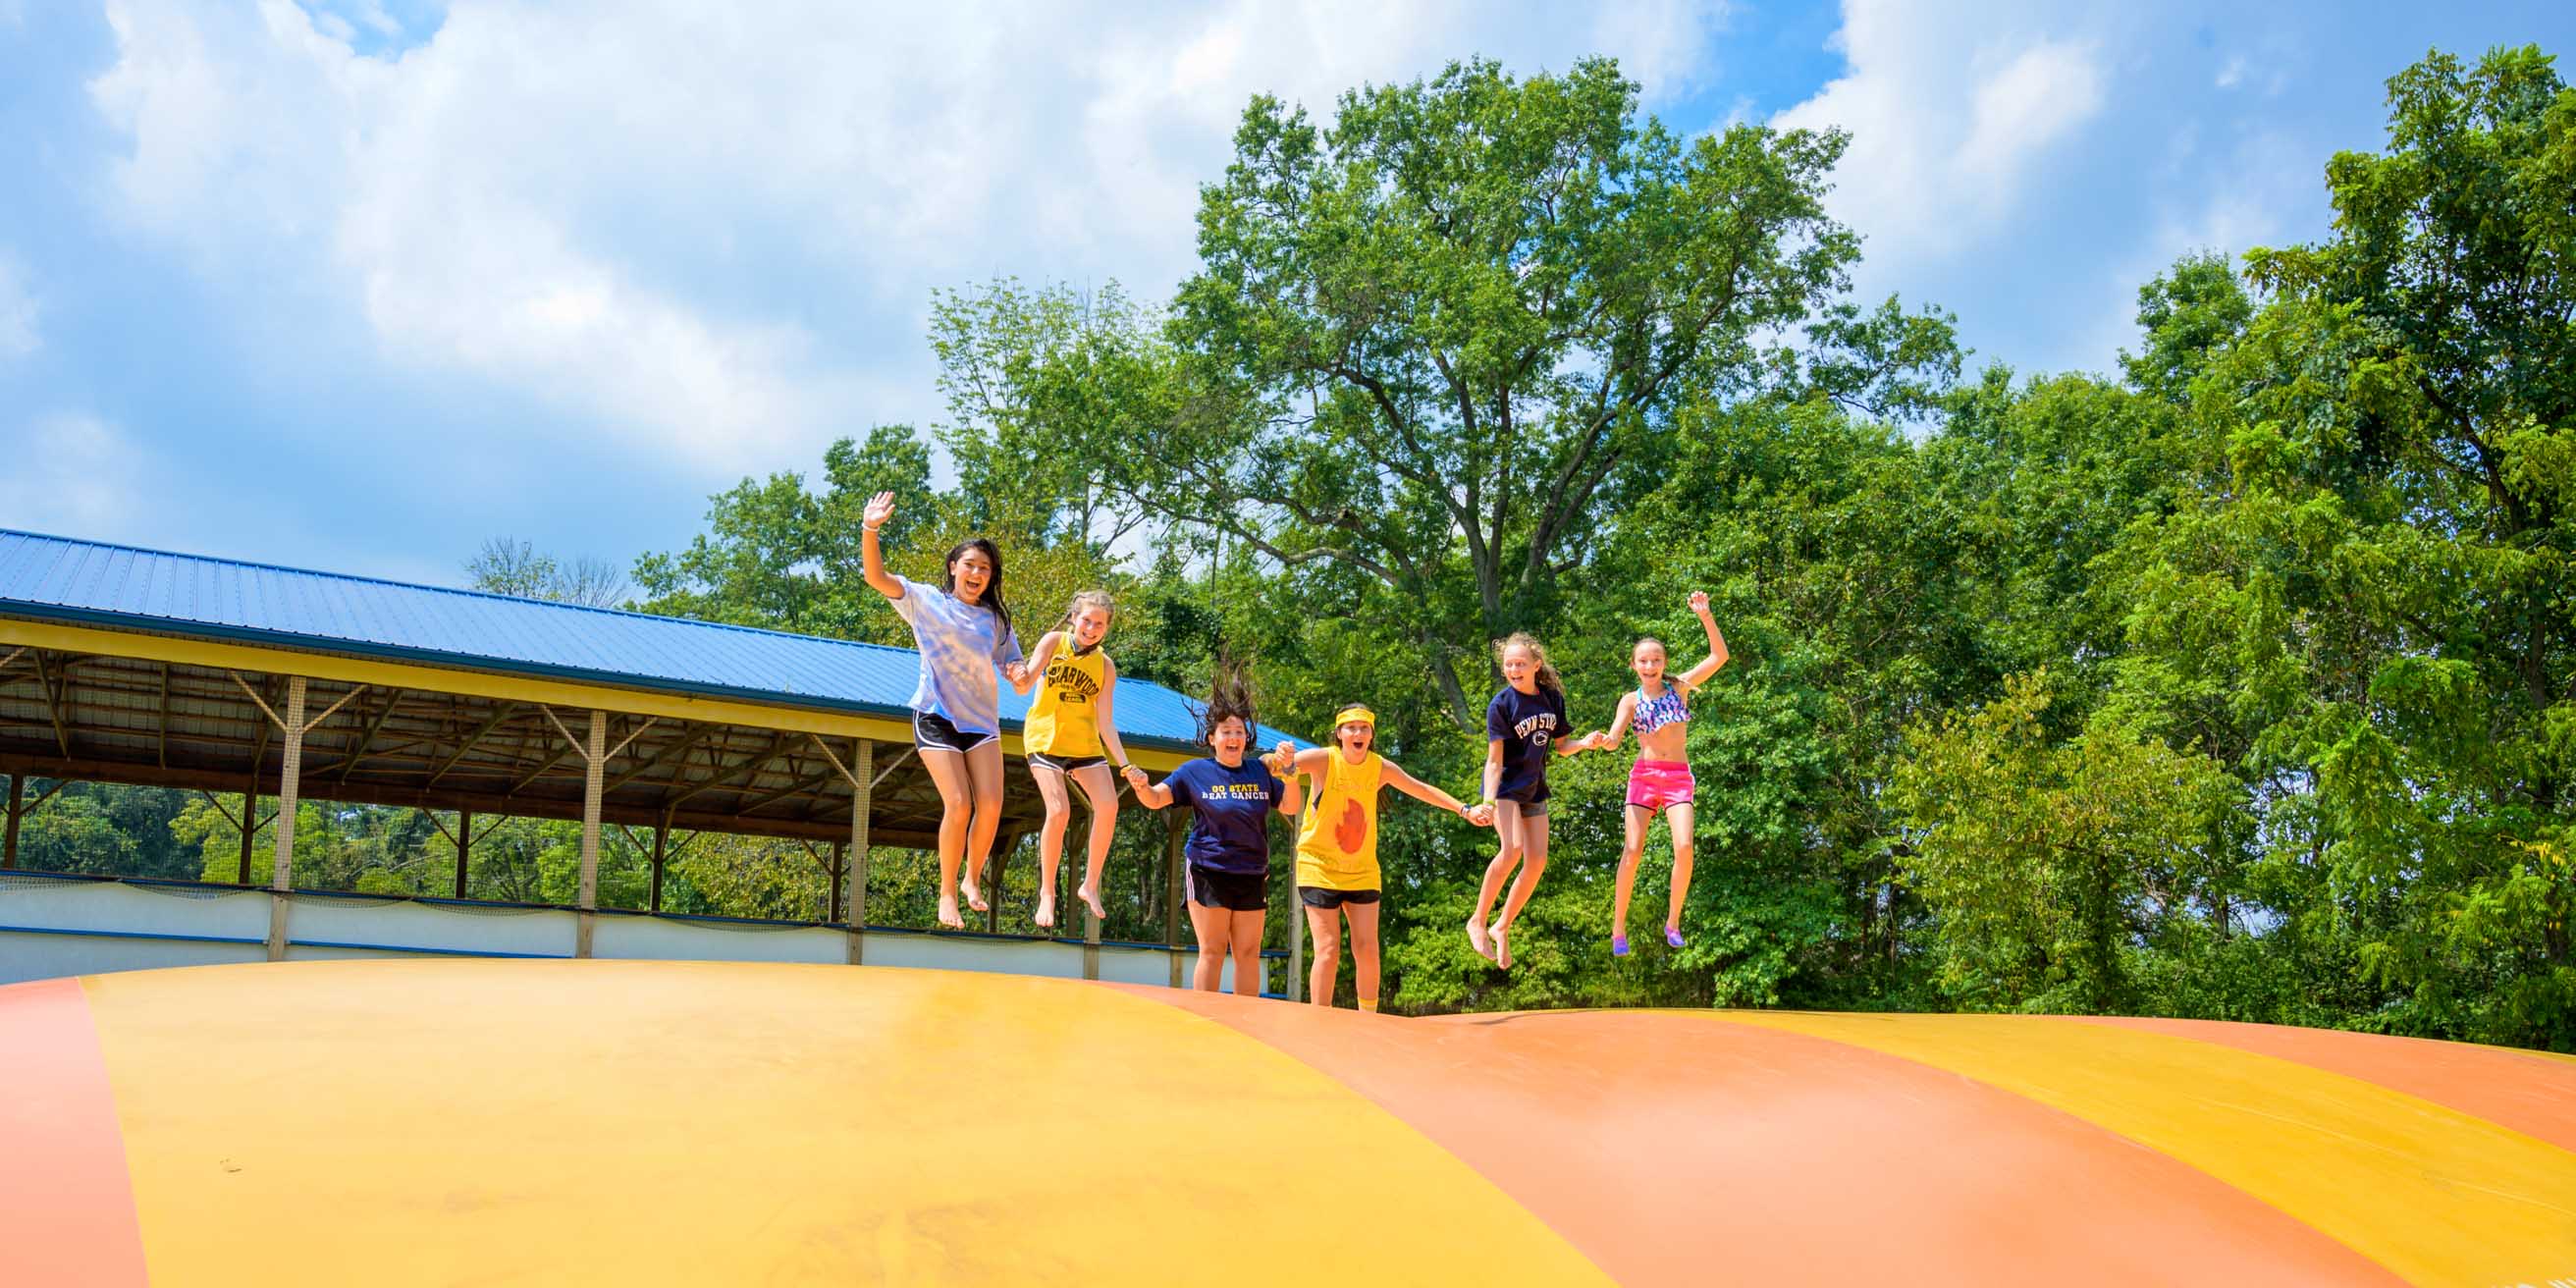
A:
x: 131, y: 934
x: 432, y: 952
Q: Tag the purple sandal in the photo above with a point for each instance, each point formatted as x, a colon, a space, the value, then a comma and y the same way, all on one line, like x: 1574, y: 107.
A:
x: 1672, y: 936
x: 1618, y: 945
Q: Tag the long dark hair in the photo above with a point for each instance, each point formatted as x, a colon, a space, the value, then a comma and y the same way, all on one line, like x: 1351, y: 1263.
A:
x: 992, y: 597
x: 1229, y: 697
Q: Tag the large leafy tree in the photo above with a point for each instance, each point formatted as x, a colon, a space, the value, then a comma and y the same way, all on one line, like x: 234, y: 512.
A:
x: 1462, y: 319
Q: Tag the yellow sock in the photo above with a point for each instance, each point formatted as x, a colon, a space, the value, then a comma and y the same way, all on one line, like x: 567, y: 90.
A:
x: 1369, y: 1004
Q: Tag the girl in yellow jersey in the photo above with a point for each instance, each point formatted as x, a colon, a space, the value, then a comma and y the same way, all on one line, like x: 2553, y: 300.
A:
x: 1069, y: 735
x: 1337, y: 871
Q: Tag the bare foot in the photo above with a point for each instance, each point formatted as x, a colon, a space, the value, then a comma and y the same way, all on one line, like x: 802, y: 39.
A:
x: 1502, y: 946
x: 974, y: 896
x: 1046, y: 911
x: 948, y: 915
x: 1091, y: 899
x: 1476, y: 936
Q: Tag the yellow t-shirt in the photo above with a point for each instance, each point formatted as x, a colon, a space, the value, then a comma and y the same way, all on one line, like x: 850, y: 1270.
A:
x: 1338, y: 848
x: 1065, y: 718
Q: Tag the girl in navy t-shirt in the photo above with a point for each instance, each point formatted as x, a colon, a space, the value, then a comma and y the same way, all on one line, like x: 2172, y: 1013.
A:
x: 1524, y: 725
x: 1230, y: 797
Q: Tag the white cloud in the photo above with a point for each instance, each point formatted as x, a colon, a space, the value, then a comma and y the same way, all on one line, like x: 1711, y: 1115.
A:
x: 711, y: 230
x: 18, y: 335
x: 1952, y: 116
x: 74, y: 474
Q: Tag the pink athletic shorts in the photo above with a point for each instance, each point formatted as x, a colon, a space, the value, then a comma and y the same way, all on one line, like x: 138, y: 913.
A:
x: 1659, y: 783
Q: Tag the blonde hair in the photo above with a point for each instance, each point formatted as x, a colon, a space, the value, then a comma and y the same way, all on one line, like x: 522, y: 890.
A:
x: 1083, y: 599
x: 1546, y: 678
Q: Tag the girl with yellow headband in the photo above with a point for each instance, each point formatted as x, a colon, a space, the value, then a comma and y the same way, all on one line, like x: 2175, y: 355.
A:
x: 1337, y: 871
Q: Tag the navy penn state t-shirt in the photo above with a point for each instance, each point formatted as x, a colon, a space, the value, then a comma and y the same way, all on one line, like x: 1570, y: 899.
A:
x: 1230, y: 813
x: 1529, y: 725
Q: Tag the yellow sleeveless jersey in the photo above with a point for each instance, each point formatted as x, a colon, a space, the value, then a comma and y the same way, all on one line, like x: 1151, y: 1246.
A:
x: 1337, y: 850
x: 1065, y: 718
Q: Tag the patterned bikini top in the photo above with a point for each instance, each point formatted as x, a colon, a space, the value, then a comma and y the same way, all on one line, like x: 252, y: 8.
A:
x: 1655, y: 713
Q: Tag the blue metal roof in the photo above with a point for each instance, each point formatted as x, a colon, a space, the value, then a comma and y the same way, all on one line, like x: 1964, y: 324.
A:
x: 98, y: 584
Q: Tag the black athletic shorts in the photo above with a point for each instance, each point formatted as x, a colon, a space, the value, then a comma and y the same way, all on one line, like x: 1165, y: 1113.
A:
x: 1532, y: 799
x: 1066, y: 764
x: 1319, y: 897
x: 931, y: 730
x: 1232, y: 891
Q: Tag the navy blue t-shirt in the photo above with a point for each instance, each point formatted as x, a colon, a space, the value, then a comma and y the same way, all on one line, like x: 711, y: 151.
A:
x: 1529, y: 725
x: 1230, y: 813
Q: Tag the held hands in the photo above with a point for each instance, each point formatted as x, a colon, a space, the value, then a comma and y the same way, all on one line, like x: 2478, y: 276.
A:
x: 1482, y: 815
x: 880, y: 508
x: 1015, y: 672
x: 1135, y: 777
x: 1282, y: 758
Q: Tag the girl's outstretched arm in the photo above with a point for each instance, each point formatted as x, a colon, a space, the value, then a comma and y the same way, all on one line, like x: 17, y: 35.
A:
x: 1698, y: 675
x: 1619, y: 723
x: 1430, y: 795
x: 872, y: 561
x: 1151, y: 796
x: 1108, y: 698
x: 1027, y: 677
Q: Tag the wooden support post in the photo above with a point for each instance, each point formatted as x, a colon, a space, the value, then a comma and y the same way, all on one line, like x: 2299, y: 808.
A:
x: 863, y: 783
x: 17, y: 808
x: 1090, y: 923
x: 596, y: 756
x: 661, y: 852
x: 464, y: 847
x: 282, y: 865
x: 1172, y: 894
x: 991, y: 878
x: 1297, y: 917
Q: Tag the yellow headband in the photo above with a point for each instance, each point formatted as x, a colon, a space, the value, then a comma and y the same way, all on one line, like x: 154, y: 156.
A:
x: 1355, y: 715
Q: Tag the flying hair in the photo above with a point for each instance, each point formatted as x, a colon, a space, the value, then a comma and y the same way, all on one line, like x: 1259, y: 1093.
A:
x: 1229, y: 697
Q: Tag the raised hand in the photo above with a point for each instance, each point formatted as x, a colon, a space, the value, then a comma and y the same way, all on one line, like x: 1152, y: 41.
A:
x: 880, y: 508
x: 1699, y: 602
x: 1282, y: 758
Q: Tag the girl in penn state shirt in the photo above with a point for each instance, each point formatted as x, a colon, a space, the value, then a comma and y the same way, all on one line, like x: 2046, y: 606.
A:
x: 1069, y: 735
x: 1524, y: 724
x: 964, y: 631
x: 1661, y: 780
x: 1337, y: 871
x: 1230, y: 798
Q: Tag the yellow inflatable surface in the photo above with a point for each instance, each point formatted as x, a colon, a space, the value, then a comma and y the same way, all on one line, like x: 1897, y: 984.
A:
x: 557, y: 1122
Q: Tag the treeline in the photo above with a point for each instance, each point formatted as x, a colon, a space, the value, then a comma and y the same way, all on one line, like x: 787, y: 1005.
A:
x: 2232, y: 683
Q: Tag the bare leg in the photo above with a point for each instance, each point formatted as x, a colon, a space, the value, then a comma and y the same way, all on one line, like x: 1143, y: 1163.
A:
x: 1533, y: 830
x: 1102, y: 787
x: 984, y: 766
x: 1059, y: 811
x: 1215, y: 927
x: 1363, y: 918
x: 956, y: 804
x: 1324, y: 935
x: 1680, y: 817
x: 1246, y: 933
x: 1639, y: 818
x: 1507, y: 827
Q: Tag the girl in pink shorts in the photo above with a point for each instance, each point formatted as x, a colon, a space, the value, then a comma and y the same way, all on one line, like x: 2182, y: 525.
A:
x: 1661, y: 781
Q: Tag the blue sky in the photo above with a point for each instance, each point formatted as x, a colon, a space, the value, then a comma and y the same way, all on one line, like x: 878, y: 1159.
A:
x: 356, y: 285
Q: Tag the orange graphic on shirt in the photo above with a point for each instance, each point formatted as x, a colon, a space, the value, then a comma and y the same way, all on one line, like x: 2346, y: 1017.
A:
x: 1352, y: 832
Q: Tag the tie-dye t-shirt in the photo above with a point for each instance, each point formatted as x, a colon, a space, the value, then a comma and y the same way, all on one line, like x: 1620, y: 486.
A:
x: 960, y: 643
